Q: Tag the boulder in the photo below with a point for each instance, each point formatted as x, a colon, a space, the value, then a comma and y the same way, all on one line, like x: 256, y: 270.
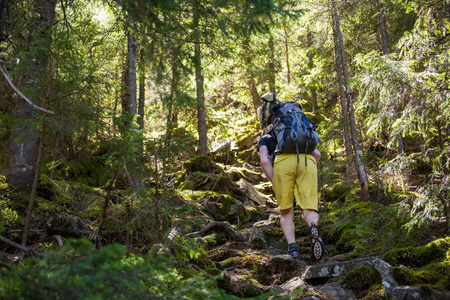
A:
x: 239, y: 284
x: 334, y: 291
x: 293, y: 284
x: 335, y: 269
x: 223, y: 207
x: 256, y: 238
x: 67, y: 226
x: 224, y: 151
x: 256, y: 196
x: 413, y: 293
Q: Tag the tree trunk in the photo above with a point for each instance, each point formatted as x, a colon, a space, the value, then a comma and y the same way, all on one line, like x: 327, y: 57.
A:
x: 27, y: 221
x: 271, y: 65
x: 342, y: 97
x: 383, y: 31
x: 311, y: 66
x: 447, y: 215
x: 141, y: 106
x: 3, y: 15
x: 136, y: 183
x: 286, y: 49
x: 361, y: 167
x: 248, y: 64
x: 254, y: 92
x: 201, y: 113
x: 22, y: 148
x: 132, y: 87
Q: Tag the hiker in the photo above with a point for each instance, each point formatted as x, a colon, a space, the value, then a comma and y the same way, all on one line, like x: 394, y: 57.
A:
x: 294, y: 178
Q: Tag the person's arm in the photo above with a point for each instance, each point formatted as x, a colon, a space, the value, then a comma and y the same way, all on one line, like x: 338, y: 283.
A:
x: 316, y: 155
x: 265, y: 162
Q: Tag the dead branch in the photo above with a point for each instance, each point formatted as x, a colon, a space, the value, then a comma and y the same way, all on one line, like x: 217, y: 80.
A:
x: 20, y: 247
x: 219, y: 225
x: 98, y: 243
x: 22, y: 95
x: 58, y: 239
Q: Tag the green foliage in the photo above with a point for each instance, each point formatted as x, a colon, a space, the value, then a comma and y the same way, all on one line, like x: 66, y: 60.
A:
x: 428, y: 203
x: 78, y: 271
x: 8, y: 215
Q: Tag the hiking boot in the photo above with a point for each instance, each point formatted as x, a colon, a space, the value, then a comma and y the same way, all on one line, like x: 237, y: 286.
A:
x: 317, y: 247
x: 293, y: 250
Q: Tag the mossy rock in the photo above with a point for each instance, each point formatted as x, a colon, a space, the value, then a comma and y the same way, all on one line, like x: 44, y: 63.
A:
x: 236, y: 173
x: 221, y: 254
x: 337, y: 192
x: 249, y: 139
x: 417, y: 257
x: 259, y: 266
x: 355, y: 226
x: 223, y: 207
x: 376, y: 292
x: 435, y: 276
x: 75, y: 197
x: 360, y: 279
x: 52, y: 190
x: 240, y: 283
x: 201, y: 163
x: 201, y: 173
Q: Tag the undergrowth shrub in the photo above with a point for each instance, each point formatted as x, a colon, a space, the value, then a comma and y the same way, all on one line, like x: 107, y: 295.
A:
x: 79, y: 271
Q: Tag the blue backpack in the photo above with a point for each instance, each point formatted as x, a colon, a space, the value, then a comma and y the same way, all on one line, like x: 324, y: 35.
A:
x: 293, y: 130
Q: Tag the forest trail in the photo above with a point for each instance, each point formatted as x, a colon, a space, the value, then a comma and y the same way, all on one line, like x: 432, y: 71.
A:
x: 251, y: 251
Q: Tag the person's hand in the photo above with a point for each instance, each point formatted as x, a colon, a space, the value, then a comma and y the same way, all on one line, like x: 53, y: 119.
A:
x: 316, y: 155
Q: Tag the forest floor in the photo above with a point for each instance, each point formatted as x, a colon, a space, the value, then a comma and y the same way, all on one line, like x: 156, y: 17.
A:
x: 251, y: 252
x: 228, y: 208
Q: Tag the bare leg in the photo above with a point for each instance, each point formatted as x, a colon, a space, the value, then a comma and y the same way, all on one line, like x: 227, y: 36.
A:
x: 310, y: 216
x: 287, y: 224
x: 317, y: 247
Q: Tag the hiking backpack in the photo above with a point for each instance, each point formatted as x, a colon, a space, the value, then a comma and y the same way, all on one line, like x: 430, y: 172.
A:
x: 293, y: 130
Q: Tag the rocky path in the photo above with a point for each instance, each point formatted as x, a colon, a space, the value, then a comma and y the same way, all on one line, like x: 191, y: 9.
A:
x: 250, y: 249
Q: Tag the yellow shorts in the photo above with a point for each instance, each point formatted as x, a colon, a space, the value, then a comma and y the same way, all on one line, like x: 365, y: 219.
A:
x: 292, y: 179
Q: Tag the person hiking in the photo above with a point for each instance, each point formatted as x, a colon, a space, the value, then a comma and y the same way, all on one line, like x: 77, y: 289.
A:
x: 294, y: 182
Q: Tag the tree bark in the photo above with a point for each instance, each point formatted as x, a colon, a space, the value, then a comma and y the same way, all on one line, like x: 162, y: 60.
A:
x: 132, y: 87
x: 254, y: 92
x: 342, y: 97
x: 311, y: 66
x: 27, y: 222
x: 132, y: 99
x: 98, y: 243
x: 271, y: 65
x: 383, y: 31
x: 286, y: 49
x: 248, y: 64
x: 22, y: 147
x: 141, y: 102
x: 3, y: 15
x: 201, y: 113
x: 361, y: 167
